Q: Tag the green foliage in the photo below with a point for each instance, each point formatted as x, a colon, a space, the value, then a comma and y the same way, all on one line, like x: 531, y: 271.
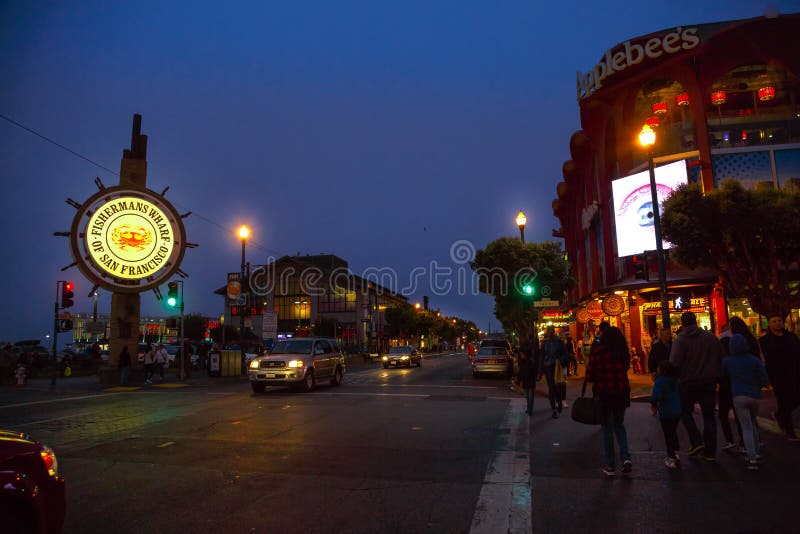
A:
x: 752, y: 237
x: 506, y: 265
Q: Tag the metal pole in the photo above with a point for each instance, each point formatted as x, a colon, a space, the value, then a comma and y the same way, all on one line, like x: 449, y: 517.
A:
x: 662, y: 268
x: 522, y: 234
x: 183, y: 352
x: 94, y: 317
x: 55, y: 339
x: 241, y: 311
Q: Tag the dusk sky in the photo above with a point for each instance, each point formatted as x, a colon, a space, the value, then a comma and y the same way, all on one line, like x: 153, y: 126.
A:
x: 382, y: 132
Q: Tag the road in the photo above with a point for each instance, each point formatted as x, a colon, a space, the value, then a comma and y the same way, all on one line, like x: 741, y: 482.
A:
x: 428, y: 449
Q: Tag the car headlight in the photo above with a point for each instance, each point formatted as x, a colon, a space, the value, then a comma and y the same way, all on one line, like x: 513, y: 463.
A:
x: 50, y: 461
x: 385, y: 358
x: 405, y: 357
x: 296, y: 363
x: 254, y: 364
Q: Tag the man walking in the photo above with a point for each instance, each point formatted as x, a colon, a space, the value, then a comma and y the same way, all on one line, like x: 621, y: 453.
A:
x: 660, y: 350
x: 552, y: 352
x: 697, y: 354
x: 781, y: 350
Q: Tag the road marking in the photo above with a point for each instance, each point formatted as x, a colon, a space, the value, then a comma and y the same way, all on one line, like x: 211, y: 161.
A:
x: 64, y: 399
x: 54, y: 419
x: 168, y: 385
x: 365, y: 394
x: 167, y: 444
x: 504, y: 504
x: 123, y: 388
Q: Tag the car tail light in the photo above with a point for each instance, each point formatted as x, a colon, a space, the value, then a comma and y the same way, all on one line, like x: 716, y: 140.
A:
x: 50, y: 461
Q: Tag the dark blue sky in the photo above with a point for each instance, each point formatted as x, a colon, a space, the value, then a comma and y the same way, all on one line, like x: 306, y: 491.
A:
x: 379, y: 131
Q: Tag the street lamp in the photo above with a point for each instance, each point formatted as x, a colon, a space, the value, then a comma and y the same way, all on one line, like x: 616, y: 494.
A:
x: 244, y: 233
x: 647, y: 138
x: 417, y: 305
x: 300, y: 307
x: 521, y: 220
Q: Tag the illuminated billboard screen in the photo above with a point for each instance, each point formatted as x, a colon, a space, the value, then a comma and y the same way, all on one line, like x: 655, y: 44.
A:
x: 633, y: 205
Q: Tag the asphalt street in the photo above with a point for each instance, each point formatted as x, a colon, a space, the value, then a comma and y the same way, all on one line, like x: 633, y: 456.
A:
x: 428, y: 449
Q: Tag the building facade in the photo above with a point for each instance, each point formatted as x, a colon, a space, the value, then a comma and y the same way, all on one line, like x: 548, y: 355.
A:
x: 301, y: 295
x: 723, y: 100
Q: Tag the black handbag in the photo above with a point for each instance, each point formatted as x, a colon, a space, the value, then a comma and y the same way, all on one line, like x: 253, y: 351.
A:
x: 586, y: 410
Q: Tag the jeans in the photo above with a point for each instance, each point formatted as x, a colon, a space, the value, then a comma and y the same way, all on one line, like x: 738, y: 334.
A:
x: 614, y: 425
x: 529, y: 394
x: 552, y: 394
x: 124, y: 373
x: 670, y: 428
x: 702, y: 392
x: 148, y: 374
x: 747, y: 411
x: 724, y: 407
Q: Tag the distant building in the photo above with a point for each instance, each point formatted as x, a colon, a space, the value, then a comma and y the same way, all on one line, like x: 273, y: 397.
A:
x: 313, y: 294
x: 724, y: 101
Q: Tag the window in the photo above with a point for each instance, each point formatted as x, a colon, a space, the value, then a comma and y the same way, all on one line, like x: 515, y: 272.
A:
x: 337, y: 300
x: 293, y: 307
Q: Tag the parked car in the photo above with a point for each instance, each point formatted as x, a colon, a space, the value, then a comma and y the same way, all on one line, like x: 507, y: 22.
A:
x: 32, y: 495
x: 494, y: 360
x: 404, y: 355
x: 300, y: 363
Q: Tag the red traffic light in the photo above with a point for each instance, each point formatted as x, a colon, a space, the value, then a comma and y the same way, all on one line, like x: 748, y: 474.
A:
x: 69, y: 286
x: 67, y: 295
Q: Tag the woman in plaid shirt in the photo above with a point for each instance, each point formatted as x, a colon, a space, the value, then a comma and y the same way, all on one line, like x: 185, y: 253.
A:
x: 607, y: 370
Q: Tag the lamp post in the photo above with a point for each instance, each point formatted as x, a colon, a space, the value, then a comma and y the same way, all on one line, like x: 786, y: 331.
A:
x: 647, y: 138
x: 521, y: 220
x: 300, y: 306
x: 244, y: 233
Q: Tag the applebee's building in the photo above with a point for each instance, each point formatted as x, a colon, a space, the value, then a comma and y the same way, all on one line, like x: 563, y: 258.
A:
x: 724, y: 101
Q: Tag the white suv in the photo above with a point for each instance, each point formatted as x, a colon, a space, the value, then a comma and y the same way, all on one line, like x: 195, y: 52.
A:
x: 300, y: 363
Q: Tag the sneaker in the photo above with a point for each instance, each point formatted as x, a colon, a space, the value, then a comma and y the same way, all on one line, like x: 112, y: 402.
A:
x: 555, y: 414
x: 627, y: 466
x: 609, y: 471
x: 728, y: 445
x: 696, y: 449
x: 708, y: 457
x: 742, y: 449
x: 671, y: 463
x: 752, y: 465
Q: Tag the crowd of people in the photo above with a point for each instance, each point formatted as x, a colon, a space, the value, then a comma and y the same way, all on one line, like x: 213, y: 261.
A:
x: 721, y: 375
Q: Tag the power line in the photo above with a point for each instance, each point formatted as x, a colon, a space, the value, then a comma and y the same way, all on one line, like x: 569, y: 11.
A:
x: 254, y: 244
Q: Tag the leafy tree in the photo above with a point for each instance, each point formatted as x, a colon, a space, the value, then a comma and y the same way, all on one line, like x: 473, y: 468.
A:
x: 507, y: 265
x: 402, y: 321
x: 751, y: 237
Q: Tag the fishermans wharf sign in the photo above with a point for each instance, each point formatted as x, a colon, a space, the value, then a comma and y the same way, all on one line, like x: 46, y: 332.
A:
x: 127, y: 240
x: 630, y: 53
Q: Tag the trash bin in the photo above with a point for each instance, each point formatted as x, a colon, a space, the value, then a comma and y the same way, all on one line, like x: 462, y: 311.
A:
x: 214, y: 363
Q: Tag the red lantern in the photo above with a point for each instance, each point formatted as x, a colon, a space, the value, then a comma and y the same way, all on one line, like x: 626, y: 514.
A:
x: 718, y: 98
x: 766, y: 93
x: 660, y: 108
x: 652, y: 122
x: 682, y: 99
x: 744, y: 135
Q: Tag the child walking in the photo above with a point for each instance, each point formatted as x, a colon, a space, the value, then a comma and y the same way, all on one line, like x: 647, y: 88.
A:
x: 747, y: 376
x: 666, y: 401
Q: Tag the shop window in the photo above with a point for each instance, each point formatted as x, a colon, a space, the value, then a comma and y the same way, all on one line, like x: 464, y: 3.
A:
x: 753, y: 105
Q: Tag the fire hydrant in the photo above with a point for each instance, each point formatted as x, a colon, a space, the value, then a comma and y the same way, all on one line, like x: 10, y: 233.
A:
x: 20, y: 374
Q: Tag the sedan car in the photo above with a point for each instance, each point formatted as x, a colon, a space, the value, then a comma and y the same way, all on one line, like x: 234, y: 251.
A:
x: 32, y: 496
x: 404, y: 355
x: 495, y: 360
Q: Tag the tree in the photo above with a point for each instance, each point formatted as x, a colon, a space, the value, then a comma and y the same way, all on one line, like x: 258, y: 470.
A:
x: 504, y: 269
x: 751, y: 237
x: 402, y: 321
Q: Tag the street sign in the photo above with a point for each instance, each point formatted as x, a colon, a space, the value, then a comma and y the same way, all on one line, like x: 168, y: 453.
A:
x: 546, y: 304
x: 269, y: 325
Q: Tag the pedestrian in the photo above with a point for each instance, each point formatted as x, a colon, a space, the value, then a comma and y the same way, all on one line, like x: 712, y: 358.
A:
x: 552, y: 352
x: 659, y: 350
x: 607, y: 370
x: 526, y: 376
x: 636, y: 362
x: 149, y: 365
x: 666, y: 402
x: 747, y: 376
x: 572, y: 361
x: 697, y: 354
x: 124, y: 365
x: 781, y: 350
x: 725, y: 398
x: 161, y: 360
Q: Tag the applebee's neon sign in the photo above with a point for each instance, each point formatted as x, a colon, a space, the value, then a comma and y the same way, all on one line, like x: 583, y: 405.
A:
x: 628, y: 54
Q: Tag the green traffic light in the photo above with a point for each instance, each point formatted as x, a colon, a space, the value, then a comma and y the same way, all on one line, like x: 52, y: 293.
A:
x: 528, y: 289
x: 172, y: 302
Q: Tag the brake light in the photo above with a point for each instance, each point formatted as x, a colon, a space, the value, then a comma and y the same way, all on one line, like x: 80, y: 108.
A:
x: 50, y: 461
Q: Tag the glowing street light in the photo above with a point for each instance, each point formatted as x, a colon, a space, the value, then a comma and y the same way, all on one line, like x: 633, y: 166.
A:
x: 521, y: 220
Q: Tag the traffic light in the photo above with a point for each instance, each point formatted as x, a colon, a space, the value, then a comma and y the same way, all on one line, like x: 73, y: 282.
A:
x: 172, y: 295
x: 67, y: 294
x: 640, y: 267
x: 528, y: 289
